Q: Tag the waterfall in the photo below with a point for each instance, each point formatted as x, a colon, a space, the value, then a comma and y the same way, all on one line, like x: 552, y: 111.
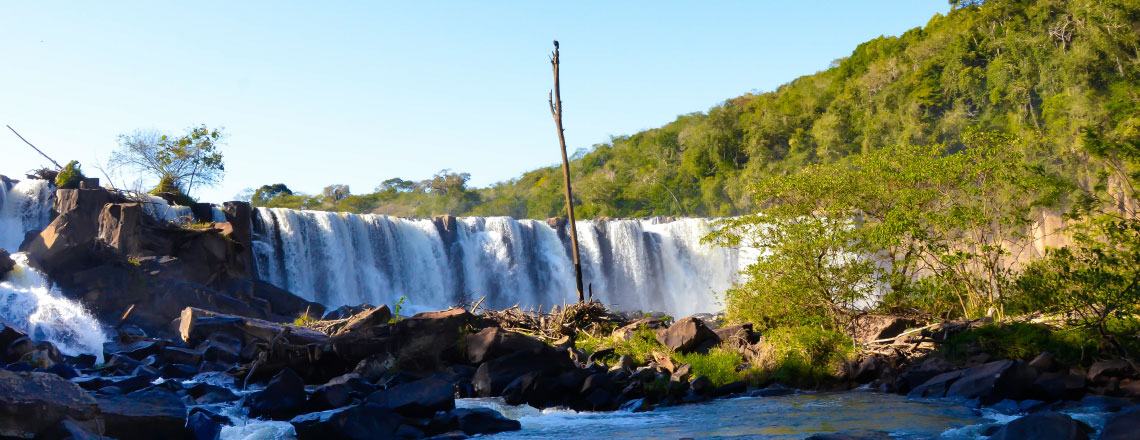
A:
x: 340, y: 258
x: 28, y: 302
x: 24, y: 207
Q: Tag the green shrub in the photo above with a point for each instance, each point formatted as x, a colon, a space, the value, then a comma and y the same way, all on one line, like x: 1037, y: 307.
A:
x: 720, y: 365
x: 69, y: 176
x: 170, y: 192
x: 1019, y: 340
x: 805, y: 356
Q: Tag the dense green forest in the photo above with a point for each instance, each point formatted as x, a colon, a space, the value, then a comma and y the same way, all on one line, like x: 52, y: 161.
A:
x: 1061, y: 76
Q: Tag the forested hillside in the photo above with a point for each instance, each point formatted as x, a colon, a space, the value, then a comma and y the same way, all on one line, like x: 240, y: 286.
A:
x: 1062, y: 76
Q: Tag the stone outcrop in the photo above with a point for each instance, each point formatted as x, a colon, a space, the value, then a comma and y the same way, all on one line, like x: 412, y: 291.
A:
x: 1044, y: 426
x: 33, y: 403
x: 6, y: 263
x: 149, y: 414
x: 687, y: 335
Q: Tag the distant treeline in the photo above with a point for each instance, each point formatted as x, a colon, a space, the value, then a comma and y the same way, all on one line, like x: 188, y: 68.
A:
x: 1062, y: 76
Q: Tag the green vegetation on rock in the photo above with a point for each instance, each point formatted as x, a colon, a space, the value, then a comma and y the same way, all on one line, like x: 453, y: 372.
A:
x: 69, y: 176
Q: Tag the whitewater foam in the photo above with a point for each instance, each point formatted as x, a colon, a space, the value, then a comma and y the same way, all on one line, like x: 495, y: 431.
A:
x: 29, y: 302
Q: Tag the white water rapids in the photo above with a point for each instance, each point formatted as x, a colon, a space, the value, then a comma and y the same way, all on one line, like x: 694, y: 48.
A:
x: 339, y: 258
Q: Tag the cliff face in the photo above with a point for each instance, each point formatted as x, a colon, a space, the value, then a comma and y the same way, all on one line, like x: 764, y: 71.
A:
x: 128, y: 267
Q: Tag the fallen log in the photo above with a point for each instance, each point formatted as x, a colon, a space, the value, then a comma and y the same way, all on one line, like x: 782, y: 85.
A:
x: 197, y: 325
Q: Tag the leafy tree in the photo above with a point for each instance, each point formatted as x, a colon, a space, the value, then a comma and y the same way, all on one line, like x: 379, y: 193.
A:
x: 179, y: 163
x: 266, y: 193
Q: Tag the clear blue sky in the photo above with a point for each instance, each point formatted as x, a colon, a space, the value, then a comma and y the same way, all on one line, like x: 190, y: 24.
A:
x: 315, y: 93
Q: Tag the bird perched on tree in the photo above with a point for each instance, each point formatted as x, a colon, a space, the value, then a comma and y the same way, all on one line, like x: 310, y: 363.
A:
x: 555, y: 43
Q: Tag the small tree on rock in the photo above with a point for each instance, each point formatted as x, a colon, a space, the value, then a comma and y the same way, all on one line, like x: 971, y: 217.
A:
x: 179, y: 163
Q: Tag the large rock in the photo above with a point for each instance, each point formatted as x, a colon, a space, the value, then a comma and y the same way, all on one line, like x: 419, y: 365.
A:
x: 282, y: 398
x: 1043, y: 426
x: 475, y: 421
x: 493, y: 376
x: 686, y: 335
x: 357, y: 422
x: 875, y: 327
x: 994, y: 381
x: 31, y: 403
x: 1123, y: 425
x: 421, y: 398
x: 493, y: 342
x: 626, y: 332
x: 6, y: 263
x: 367, y: 318
x: 197, y: 325
x: 67, y: 242
x: 150, y: 414
x: 935, y: 386
x: 1101, y: 371
x: 430, y: 340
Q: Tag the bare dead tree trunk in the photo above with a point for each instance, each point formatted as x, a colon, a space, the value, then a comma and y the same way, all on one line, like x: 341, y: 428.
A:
x: 57, y: 165
x: 555, y: 100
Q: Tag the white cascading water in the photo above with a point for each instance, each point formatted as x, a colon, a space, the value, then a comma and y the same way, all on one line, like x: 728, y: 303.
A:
x: 347, y: 259
x: 28, y: 302
x: 24, y: 207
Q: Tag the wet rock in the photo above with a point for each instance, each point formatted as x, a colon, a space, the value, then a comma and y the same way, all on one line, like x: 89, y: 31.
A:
x: 6, y: 263
x: 524, y: 389
x: 772, y: 391
x: 184, y: 356
x: 63, y: 370
x: 282, y: 398
x: 331, y: 396
x: 701, y: 385
x: 636, y: 406
x: 69, y: 429
x: 205, y: 393
x: 1123, y: 425
x: 421, y: 398
x: 135, y: 350
x: 686, y: 335
x: 143, y: 415
x: 493, y: 342
x: 599, y: 400
x: 374, y: 367
x: 475, y: 421
x: 923, y: 372
x: 936, y: 386
x: 204, y: 425
x: 18, y: 348
x: 8, y: 334
x: 729, y: 389
x: 356, y: 422
x: 32, y: 403
x: 993, y: 382
x: 1044, y: 426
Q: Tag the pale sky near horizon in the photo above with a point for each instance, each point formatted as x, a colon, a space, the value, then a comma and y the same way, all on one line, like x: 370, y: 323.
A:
x: 312, y: 94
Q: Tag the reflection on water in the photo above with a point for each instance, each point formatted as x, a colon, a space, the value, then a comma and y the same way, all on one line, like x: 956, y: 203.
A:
x: 787, y: 417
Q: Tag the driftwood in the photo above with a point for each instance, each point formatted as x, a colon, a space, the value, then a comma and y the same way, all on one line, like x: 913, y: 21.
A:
x: 57, y: 165
x: 553, y: 325
x: 197, y: 324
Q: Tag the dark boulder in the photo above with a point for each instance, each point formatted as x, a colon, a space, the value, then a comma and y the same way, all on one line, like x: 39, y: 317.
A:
x: 526, y: 389
x: 493, y: 342
x: 935, y: 386
x: 333, y: 395
x: 994, y: 381
x: 284, y: 303
x: 421, y: 398
x: 918, y: 374
x: 626, y: 332
x: 475, y: 421
x: 686, y: 335
x: 1123, y: 425
x: 367, y: 318
x: 858, y: 434
x: 357, y: 422
x: 1044, y: 426
x: 185, y: 356
x: 493, y: 376
x: 701, y: 385
x: 430, y: 340
x: 206, y: 393
x: 141, y: 415
x: 1101, y: 371
x: 204, y: 425
x: 6, y: 263
x: 282, y: 398
x: 31, y: 403
x: 1052, y: 387
x: 636, y: 406
x: 135, y: 350
x: 69, y: 429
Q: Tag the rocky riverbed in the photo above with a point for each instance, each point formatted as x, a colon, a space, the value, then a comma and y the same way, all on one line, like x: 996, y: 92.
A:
x: 199, y: 348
